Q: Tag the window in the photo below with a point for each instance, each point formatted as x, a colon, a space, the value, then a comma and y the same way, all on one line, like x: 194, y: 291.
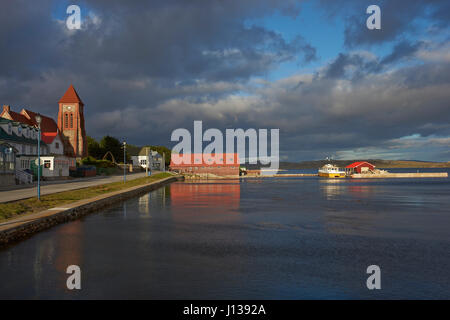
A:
x: 71, y: 120
x: 66, y: 120
x: 47, y: 164
x: 56, y: 145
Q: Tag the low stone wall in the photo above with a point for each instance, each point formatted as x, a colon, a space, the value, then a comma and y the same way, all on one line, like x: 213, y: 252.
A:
x: 26, y: 226
x: 400, y: 175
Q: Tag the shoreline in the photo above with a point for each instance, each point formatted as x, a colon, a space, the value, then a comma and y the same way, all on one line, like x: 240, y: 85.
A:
x: 23, y: 227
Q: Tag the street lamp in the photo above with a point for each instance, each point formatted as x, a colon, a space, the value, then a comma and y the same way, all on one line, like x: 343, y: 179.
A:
x: 38, y: 121
x: 124, y: 161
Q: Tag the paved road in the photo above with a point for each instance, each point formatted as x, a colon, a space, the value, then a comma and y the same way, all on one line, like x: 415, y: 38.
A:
x: 59, y: 186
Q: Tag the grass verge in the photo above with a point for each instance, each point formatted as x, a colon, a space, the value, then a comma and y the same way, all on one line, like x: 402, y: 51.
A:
x: 31, y: 205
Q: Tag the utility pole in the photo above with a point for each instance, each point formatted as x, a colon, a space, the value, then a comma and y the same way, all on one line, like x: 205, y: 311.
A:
x: 147, y: 161
x: 124, y: 161
x: 38, y: 120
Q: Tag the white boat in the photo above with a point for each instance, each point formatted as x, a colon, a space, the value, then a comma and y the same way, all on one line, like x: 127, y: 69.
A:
x: 331, y: 171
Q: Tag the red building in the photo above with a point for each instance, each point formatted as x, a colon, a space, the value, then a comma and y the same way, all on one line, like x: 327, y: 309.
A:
x: 71, y: 124
x: 359, y: 167
x: 226, y: 164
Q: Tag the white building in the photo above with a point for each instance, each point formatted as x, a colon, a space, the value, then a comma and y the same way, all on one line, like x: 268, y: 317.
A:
x: 156, y: 161
x: 19, y: 130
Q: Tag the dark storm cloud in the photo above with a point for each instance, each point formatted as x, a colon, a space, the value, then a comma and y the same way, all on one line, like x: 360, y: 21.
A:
x: 138, y: 52
x: 402, y: 50
x: 361, y: 65
x: 397, y: 17
x: 355, y: 65
x: 145, y: 68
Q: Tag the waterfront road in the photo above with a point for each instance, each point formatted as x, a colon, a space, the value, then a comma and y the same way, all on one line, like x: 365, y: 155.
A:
x: 65, y: 185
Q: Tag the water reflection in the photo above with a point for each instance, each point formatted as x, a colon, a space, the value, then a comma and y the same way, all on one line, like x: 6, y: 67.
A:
x: 258, y: 239
x: 211, y: 200
x: 145, y: 201
x: 338, y: 188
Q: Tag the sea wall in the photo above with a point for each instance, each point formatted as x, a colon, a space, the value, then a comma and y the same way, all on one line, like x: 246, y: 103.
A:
x: 27, y: 225
x: 400, y: 175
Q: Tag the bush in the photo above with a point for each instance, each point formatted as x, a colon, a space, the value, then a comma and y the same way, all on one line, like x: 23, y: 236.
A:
x: 90, y: 161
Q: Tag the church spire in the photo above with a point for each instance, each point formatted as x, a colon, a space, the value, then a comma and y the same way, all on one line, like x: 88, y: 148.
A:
x: 71, y: 96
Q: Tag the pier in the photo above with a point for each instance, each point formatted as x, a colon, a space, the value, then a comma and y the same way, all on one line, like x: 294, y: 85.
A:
x: 399, y: 175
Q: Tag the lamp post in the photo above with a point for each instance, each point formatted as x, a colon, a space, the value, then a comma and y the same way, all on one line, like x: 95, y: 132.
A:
x: 124, y: 161
x: 38, y: 121
x: 147, y: 162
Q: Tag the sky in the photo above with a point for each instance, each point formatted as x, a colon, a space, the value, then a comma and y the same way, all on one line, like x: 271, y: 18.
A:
x: 310, y: 68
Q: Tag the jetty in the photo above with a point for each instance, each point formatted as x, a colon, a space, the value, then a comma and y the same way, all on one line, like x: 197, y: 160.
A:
x: 387, y: 175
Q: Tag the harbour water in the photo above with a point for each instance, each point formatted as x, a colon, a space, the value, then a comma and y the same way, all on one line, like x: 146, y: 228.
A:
x: 272, y: 238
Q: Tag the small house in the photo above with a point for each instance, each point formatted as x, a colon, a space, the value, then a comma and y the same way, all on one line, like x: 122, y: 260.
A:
x: 359, y: 167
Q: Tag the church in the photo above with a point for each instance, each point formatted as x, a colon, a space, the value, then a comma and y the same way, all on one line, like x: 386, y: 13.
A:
x: 61, y: 143
x: 71, y: 124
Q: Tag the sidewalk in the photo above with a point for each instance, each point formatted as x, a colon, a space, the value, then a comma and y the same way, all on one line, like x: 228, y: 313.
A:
x: 49, y: 187
x: 26, y: 225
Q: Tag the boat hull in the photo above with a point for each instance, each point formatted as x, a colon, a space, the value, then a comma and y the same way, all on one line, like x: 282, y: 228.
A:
x: 331, y: 175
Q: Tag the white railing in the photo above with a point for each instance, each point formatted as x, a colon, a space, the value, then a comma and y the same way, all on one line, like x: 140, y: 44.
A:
x: 24, y: 177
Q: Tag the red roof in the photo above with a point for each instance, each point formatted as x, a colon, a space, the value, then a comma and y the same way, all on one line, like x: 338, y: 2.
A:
x: 48, y: 137
x: 359, y: 163
x: 199, y: 159
x: 18, y: 117
x: 71, y: 96
x: 49, y: 128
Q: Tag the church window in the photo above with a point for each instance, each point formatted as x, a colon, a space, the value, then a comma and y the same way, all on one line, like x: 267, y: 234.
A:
x: 66, y: 120
x: 71, y: 120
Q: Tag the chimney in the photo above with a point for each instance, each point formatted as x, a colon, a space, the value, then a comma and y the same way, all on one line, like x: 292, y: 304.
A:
x: 6, y: 108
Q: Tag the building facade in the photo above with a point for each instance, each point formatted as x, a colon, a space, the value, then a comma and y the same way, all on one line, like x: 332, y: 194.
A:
x: 19, y: 139
x: 226, y: 164
x: 359, y: 167
x: 156, y: 161
x: 71, y: 124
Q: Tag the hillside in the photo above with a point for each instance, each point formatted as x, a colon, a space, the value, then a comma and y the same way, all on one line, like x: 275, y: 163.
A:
x: 378, y: 163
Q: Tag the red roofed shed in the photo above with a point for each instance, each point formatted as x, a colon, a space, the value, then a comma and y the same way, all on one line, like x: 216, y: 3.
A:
x: 360, y: 167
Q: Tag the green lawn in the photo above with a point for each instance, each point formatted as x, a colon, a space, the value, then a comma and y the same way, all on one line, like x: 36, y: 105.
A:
x: 13, y: 209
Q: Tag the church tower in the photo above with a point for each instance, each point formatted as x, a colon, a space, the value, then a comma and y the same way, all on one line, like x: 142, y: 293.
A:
x: 71, y: 124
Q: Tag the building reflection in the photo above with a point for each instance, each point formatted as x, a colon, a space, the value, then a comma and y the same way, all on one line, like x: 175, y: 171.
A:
x: 211, y: 200
x: 54, y: 254
x: 145, y: 202
x: 69, y: 247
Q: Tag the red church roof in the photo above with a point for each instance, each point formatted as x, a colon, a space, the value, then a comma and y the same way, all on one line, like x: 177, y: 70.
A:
x: 359, y: 163
x: 71, y: 96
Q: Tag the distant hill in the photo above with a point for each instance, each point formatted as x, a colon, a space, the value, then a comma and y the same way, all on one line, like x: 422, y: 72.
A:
x: 378, y: 163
